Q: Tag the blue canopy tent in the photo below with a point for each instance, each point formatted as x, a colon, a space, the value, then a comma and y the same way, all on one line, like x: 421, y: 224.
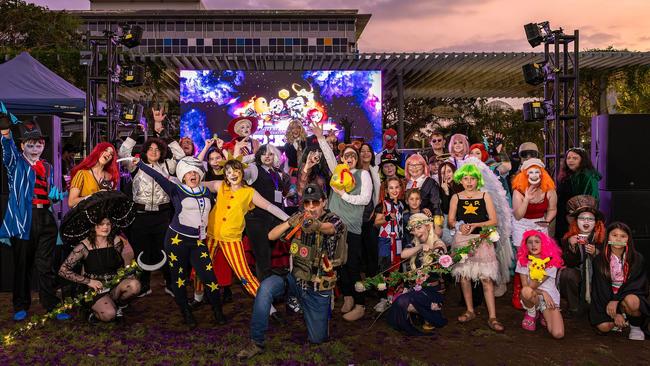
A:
x: 26, y: 87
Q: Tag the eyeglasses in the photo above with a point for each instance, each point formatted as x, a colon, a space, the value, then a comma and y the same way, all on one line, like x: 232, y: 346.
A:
x: 350, y: 155
x: 437, y: 140
x: 586, y: 218
x: 308, y: 203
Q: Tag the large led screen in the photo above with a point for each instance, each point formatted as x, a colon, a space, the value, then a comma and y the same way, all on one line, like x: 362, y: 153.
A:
x: 210, y: 99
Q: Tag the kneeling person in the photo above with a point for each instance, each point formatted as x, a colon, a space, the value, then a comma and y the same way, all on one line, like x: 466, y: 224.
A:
x: 316, y: 250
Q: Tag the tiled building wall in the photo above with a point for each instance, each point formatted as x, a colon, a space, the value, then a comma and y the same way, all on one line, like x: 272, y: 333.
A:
x: 207, y: 37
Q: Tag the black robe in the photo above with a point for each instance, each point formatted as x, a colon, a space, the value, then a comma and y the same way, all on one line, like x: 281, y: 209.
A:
x: 602, y: 294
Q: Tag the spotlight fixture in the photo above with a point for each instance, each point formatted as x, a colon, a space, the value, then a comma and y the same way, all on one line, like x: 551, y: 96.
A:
x: 533, y: 73
x: 131, y: 112
x: 131, y: 35
x: 537, y: 32
x: 534, y: 111
x: 132, y: 75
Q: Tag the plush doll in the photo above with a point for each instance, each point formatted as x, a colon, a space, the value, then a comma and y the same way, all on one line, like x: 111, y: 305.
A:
x: 342, y: 178
x: 536, y: 268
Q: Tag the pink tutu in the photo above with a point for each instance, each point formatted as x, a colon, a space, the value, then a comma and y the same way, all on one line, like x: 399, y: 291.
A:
x: 482, y: 263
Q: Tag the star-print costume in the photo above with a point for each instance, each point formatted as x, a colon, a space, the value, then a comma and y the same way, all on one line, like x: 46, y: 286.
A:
x: 185, y: 240
x: 483, y: 262
x: 226, y: 225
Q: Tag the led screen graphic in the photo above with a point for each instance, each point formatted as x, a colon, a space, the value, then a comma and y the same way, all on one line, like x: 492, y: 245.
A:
x: 210, y: 99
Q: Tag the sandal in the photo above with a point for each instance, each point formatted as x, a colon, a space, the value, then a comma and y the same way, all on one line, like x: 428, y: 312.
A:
x: 495, y: 325
x: 528, y: 323
x: 466, y: 317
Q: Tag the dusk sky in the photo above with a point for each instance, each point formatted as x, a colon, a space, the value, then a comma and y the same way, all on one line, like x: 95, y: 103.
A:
x: 467, y: 25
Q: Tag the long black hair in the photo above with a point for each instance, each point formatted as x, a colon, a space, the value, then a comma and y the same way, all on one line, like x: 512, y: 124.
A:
x: 585, y: 163
x: 631, y: 255
x: 92, y: 234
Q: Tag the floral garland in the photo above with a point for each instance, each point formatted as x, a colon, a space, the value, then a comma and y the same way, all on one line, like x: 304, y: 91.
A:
x: 432, y: 262
x: 88, y: 296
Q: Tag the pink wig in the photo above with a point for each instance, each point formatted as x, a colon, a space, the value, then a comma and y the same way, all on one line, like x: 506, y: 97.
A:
x: 463, y: 138
x: 416, y: 159
x: 549, y: 250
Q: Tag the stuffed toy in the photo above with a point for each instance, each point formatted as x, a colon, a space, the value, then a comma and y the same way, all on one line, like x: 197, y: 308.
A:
x: 342, y: 178
x: 536, y: 268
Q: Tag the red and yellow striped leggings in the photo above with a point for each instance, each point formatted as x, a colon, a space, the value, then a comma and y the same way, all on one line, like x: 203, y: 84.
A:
x: 235, y: 259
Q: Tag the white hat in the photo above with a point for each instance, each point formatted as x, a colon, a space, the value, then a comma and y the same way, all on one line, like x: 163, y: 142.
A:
x: 189, y: 164
x: 530, y: 162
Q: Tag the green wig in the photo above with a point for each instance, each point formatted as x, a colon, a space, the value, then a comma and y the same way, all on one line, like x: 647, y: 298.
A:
x: 469, y: 170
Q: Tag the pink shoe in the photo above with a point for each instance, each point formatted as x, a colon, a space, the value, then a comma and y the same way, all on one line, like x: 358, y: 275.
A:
x: 529, y: 322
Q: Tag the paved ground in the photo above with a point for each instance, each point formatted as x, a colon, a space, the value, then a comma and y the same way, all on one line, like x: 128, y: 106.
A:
x: 153, y: 335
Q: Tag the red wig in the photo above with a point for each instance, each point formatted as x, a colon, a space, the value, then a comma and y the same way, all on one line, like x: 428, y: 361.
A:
x: 484, y: 153
x: 550, y: 249
x: 93, y: 158
x: 520, y: 181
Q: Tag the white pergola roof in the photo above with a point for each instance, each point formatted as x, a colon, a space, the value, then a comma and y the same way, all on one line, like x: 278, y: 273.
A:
x: 442, y: 75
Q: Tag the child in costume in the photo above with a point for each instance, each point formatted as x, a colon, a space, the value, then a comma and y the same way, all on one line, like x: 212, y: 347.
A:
x: 241, y: 129
x: 388, y: 218
x: 417, y: 176
x: 620, y: 285
x: 534, y: 205
x: 539, y: 293
x: 426, y: 299
x: 413, y: 203
x: 28, y: 222
x: 469, y: 211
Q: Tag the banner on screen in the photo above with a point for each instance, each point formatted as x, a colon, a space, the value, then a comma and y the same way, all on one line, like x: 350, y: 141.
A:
x: 210, y: 99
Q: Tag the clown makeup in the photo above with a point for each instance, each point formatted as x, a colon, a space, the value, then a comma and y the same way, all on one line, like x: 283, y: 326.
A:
x: 106, y: 156
x: 350, y: 157
x: 233, y: 176
x: 475, y: 153
x: 32, y: 150
x: 366, y: 154
x: 414, y: 200
x: 586, y: 222
x: 394, y: 189
x: 268, y: 158
x: 617, y: 238
x: 192, y: 179
x: 416, y: 170
x: 214, y: 158
x: 103, y: 228
x: 243, y: 128
x: 153, y: 153
x: 469, y: 183
x: 389, y: 169
x: 534, y: 176
x: 534, y: 245
x: 573, y: 160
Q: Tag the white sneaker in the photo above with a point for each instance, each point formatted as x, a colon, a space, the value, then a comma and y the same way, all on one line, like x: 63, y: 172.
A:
x: 169, y: 292
x: 147, y: 293
x: 381, y: 306
x: 636, y: 334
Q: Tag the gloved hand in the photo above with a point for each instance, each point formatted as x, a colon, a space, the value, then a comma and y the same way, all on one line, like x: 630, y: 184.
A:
x: 5, y: 121
x: 295, y: 219
x: 136, y: 133
x: 311, y: 225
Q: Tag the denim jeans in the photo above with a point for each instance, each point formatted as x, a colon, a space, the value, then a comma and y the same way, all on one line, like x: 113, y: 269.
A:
x: 315, y: 306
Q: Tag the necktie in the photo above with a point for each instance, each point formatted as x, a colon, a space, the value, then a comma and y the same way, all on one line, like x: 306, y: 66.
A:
x: 415, y: 184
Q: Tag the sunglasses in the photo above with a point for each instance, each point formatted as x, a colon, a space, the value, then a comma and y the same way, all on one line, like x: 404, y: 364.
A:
x: 526, y: 154
x: 349, y: 155
x: 309, y: 203
x: 437, y: 140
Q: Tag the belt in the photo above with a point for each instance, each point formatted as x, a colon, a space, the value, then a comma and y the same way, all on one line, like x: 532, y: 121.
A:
x: 41, y: 205
x: 140, y: 208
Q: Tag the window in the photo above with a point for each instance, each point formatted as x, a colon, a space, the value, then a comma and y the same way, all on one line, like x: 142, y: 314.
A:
x: 266, y: 26
x: 209, y: 27
x: 257, y: 27
x: 340, y: 26
x: 295, y: 26
x: 275, y: 26
x: 149, y: 27
x: 170, y: 27
x: 199, y: 49
x: 218, y: 26
x: 313, y: 26
x: 332, y: 26
x: 92, y: 26
x: 199, y: 41
x: 237, y: 27
x: 350, y: 26
x: 184, y: 49
x: 227, y: 26
x: 256, y: 41
x: 246, y: 26
x: 180, y: 26
x: 286, y: 26
x: 322, y: 26
x: 208, y: 49
x: 189, y: 26
x: 168, y: 42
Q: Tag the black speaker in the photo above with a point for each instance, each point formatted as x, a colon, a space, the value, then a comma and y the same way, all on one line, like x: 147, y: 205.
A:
x: 618, y: 148
x: 643, y: 246
x: 630, y: 207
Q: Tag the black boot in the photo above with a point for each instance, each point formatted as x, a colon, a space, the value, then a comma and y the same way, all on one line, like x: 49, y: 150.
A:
x: 218, y: 314
x: 188, y: 318
x: 227, y: 294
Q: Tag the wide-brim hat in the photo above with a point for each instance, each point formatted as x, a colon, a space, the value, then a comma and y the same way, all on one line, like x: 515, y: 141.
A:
x: 583, y: 203
x: 233, y: 123
x: 80, y: 220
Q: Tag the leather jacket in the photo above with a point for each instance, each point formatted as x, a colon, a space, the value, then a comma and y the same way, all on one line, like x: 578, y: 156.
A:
x: 145, y: 190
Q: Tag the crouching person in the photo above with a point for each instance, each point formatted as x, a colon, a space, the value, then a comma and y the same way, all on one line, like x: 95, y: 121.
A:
x: 317, y: 248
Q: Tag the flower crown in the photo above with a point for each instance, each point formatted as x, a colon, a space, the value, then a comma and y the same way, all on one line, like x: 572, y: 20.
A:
x: 229, y: 157
x: 413, y: 223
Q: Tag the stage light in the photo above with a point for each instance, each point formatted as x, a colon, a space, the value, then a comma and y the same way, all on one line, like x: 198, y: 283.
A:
x: 537, y: 33
x: 131, y: 112
x: 533, y: 73
x: 534, y: 111
x: 132, y: 75
x: 131, y: 35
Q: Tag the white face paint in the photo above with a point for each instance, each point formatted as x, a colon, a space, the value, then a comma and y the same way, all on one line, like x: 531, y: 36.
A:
x: 32, y: 150
x: 586, y: 222
x: 243, y: 128
x: 534, y: 176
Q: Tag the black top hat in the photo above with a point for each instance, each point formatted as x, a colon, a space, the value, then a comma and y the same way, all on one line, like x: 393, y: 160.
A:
x: 30, y: 130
